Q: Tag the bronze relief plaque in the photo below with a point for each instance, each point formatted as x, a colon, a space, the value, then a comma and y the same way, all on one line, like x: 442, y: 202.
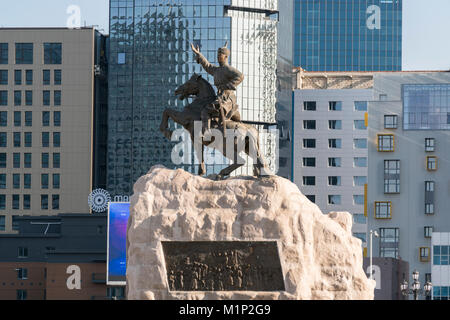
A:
x: 223, y: 266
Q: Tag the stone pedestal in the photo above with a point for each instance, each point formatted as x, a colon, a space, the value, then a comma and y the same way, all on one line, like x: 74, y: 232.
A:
x: 242, y: 238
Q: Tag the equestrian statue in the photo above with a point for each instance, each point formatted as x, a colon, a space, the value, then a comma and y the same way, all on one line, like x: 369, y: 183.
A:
x: 216, y: 111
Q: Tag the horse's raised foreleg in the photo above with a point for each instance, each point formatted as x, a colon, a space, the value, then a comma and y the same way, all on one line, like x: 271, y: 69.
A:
x: 177, y: 116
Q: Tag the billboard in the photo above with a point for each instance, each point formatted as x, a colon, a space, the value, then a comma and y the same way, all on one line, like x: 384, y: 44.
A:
x: 118, y: 213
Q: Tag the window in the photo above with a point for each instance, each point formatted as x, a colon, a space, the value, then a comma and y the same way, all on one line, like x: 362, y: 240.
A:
x: 309, y: 181
x: 57, y: 118
x: 360, y: 143
x: 56, y: 181
x: 429, y: 186
x: 3, y: 139
x: 28, y: 139
x: 29, y: 98
x: 335, y: 106
x: 28, y: 118
x: 17, y: 118
x: 309, y: 124
x: 383, y: 210
x: 45, y: 118
x: 22, y: 273
x: 27, y: 181
x: 29, y: 77
x: 2, y: 160
x: 334, y: 162
x: 27, y: 160
x: 16, y: 139
x: 15, y: 202
x: 45, y: 139
x: 383, y: 97
x: 390, y: 122
x: 309, y: 143
x: 18, y: 77
x: 26, y: 202
x: 16, y: 181
x: 3, y: 98
x: 21, y: 294
x: 3, y: 77
x: 334, y: 143
x: 45, y: 160
x: 2, y: 202
x: 24, y: 53
x: 46, y: 77
x: 429, y: 208
x: 57, y: 98
x: 334, y: 199
x: 360, y: 235
x: 56, y: 139
x: 311, y: 198
x: 2, y: 223
x: 55, y: 202
x: 441, y: 255
x: 389, y: 235
x: 334, y: 124
x: 309, y: 162
x: 429, y: 145
x: 359, y: 124
x: 44, y: 181
x: 309, y: 106
x: 334, y: 181
x: 359, y: 181
x: 432, y: 163
x: 3, y: 53
x: 360, y: 105
x: 46, y: 98
x: 424, y: 254
x: 44, y: 202
x: 121, y: 58
x: 56, y: 160
x: 359, y: 218
x: 427, y: 232
x: 385, y: 142
x: 16, y: 160
x: 391, y: 176
x: 3, y: 118
x: 358, y: 199
x: 2, y: 180
x: 17, y: 98
x: 57, y: 77
x: 52, y: 53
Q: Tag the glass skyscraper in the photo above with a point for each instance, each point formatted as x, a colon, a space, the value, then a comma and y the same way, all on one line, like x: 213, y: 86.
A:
x: 348, y: 35
x: 150, y: 56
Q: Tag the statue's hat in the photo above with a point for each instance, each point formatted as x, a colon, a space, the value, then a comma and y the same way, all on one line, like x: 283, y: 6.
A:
x: 224, y: 50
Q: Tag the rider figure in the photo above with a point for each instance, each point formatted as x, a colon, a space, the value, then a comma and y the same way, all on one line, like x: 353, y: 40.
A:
x: 226, y: 79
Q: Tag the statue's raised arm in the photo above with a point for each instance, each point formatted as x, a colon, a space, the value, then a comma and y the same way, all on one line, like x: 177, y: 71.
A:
x: 210, y: 68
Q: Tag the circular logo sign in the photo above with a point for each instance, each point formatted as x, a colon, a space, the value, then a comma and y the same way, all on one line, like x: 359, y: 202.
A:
x: 98, y: 200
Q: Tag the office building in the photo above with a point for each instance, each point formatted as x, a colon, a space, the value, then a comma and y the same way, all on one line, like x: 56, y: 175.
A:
x: 61, y: 257
x: 50, y: 103
x: 408, y: 174
x: 348, y: 35
x: 330, y: 141
x: 440, y: 269
x: 150, y: 56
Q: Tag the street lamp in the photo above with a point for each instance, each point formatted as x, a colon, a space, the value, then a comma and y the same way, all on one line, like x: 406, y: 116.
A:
x: 375, y: 233
x: 415, y: 287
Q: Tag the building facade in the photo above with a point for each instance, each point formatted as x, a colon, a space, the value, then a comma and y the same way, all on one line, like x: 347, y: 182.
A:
x: 440, y: 269
x: 408, y: 165
x: 61, y: 257
x: 47, y: 120
x: 330, y: 142
x: 348, y: 35
x: 150, y: 56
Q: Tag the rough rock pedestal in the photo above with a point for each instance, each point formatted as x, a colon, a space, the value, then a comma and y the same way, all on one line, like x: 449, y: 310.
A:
x: 319, y: 257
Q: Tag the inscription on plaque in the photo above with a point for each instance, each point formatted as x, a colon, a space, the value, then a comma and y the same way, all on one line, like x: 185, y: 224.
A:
x: 223, y: 266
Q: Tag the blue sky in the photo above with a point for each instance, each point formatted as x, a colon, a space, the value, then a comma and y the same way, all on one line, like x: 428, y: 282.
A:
x: 426, y: 25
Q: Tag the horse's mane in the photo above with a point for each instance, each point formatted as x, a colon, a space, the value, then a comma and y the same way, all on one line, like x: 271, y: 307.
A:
x: 208, y: 86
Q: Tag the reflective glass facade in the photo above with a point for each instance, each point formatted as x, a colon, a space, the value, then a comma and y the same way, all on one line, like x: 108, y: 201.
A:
x: 426, y: 107
x: 348, y: 35
x: 150, y: 56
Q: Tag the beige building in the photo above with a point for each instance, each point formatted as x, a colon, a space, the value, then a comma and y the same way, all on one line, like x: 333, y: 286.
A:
x: 48, y: 109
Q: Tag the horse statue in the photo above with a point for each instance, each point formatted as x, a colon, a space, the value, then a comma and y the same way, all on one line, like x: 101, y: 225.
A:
x: 244, y: 135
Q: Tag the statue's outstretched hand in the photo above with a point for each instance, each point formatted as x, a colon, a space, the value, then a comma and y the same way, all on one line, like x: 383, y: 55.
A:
x: 194, y: 49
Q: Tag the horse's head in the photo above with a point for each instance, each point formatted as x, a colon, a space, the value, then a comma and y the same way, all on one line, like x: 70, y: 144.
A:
x: 190, y: 88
